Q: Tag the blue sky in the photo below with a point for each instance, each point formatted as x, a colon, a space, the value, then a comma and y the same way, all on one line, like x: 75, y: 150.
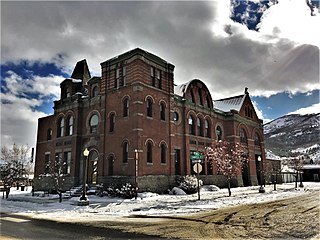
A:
x: 271, y: 47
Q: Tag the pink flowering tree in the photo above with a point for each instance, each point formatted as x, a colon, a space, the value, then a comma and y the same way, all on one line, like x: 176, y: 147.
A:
x: 229, y: 159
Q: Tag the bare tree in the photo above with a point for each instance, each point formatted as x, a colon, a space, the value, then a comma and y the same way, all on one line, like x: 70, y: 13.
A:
x: 56, y: 172
x: 229, y: 159
x: 15, y: 165
x: 296, y: 163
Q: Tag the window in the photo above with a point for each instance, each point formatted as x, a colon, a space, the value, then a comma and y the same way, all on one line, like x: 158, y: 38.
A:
x: 200, y: 96
x: 175, y: 116
x: 117, y: 80
x: 191, y: 125
x: 66, y: 162
x: 207, y: 128
x: 155, y: 75
x: 149, y: 152
x: 94, y: 120
x: 68, y: 93
x: 208, y: 101
x: 163, y: 111
x: 95, y: 91
x: 125, y: 107
x: 112, y: 119
x: 149, y: 107
x: 60, y: 131
x: 163, y: 153
x: 124, y: 79
x: 58, y: 164
x: 69, y: 126
x: 192, y: 97
x: 49, y: 134
x: 125, y: 152
x: 47, y: 163
x: 199, y: 127
x: 256, y: 140
x: 243, y: 136
x: 219, y: 133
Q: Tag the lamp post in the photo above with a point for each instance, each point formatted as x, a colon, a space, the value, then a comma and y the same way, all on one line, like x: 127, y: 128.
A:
x: 261, y: 189
x: 136, y: 157
x: 83, y: 201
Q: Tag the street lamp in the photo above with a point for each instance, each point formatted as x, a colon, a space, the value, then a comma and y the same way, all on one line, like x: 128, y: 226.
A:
x: 84, y: 201
x: 136, y: 157
x: 261, y: 189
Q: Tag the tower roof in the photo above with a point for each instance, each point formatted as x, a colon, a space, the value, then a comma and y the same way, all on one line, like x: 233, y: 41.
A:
x: 81, y: 71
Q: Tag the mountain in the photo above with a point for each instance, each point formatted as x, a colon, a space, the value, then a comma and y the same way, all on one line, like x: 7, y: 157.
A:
x: 294, y: 134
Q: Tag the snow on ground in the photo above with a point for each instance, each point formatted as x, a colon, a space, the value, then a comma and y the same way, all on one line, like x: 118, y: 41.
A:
x: 107, y: 208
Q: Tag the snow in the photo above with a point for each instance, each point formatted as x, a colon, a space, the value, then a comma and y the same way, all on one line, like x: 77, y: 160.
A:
x: 147, y: 203
x: 226, y: 105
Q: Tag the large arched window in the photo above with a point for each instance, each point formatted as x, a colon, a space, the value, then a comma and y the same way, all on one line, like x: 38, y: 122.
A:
x: 125, y: 106
x: 219, y: 133
x: 60, y: 132
x: 163, y: 153
x: 112, y: 122
x: 199, y: 127
x: 125, y: 152
x: 191, y: 125
x: 149, y: 152
x: 149, y: 107
x: 94, y: 121
x: 243, y: 136
x: 207, y: 128
x: 256, y: 140
x: 162, y: 111
x: 70, y: 125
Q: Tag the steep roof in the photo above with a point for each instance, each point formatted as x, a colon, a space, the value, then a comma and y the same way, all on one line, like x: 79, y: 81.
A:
x: 81, y: 71
x: 228, y: 104
x: 181, y: 89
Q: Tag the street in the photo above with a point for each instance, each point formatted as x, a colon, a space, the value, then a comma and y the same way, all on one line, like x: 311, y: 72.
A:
x: 20, y: 227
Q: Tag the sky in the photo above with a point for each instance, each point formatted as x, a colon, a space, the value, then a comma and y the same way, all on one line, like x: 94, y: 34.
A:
x: 271, y: 47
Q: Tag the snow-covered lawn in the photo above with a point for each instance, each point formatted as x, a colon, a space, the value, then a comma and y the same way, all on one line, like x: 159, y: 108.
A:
x: 102, y: 208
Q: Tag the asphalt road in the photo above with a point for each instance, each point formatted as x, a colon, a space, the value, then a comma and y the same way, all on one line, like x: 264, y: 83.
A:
x: 20, y: 227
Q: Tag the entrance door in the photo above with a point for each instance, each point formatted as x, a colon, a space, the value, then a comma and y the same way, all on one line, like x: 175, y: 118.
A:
x: 246, y: 175
x: 92, y: 167
x: 177, y: 160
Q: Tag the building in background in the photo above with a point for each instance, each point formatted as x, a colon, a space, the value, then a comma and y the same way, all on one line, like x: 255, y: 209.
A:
x: 134, y: 111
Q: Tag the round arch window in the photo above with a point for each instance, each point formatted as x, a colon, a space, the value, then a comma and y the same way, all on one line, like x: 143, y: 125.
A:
x: 94, y: 121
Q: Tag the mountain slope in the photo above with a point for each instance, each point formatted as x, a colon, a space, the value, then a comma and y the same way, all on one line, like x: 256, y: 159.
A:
x: 294, y: 133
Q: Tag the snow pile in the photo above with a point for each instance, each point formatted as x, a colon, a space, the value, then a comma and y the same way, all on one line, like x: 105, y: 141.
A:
x: 102, y: 208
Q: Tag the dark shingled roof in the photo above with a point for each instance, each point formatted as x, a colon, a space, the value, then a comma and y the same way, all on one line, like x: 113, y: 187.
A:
x: 81, y: 71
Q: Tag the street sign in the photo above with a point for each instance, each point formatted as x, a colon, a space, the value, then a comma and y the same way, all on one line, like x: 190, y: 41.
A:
x: 196, y: 156
x: 197, y: 168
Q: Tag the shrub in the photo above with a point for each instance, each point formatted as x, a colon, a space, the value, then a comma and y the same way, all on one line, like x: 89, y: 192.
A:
x: 126, y: 191
x: 189, y: 184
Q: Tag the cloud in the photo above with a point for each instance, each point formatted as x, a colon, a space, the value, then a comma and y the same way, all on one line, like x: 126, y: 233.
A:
x: 259, y: 112
x: 199, y: 38
x: 19, y: 99
x: 315, y: 108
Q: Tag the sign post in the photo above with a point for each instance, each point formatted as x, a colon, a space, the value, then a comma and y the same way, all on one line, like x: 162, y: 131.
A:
x: 197, y: 167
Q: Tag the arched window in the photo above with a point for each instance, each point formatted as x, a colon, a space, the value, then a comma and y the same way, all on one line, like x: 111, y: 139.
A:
x: 112, y: 120
x: 207, y: 129
x: 243, y: 136
x: 175, y: 116
x: 163, y: 153
x: 149, y: 152
x: 162, y: 111
x: 49, y: 134
x: 200, y: 96
x: 60, y: 132
x: 149, y: 107
x: 125, y: 152
x: 95, y: 91
x: 94, y: 121
x: 125, y: 106
x: 192, y: 97
x: 256, y: 140
x: 191, y: 125
x: 208, y: 101
x: 70, y: 125
x: 199, y: 127
x: 219, y: 133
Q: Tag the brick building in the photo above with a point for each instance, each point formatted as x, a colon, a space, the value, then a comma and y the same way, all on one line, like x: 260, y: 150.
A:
x: 134, y: 113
